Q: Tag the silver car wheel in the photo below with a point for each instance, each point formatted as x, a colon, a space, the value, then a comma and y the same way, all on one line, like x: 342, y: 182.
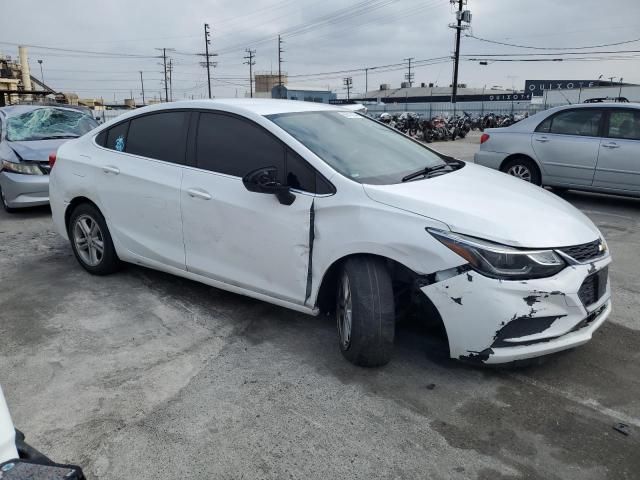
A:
x: 88, y: 240
x: 520, y: 171
x: 344, y: 312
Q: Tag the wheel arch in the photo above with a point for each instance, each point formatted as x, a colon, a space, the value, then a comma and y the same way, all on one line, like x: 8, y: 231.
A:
x: 79, y: 200
x: 400, y: 275
x: 515, y: 156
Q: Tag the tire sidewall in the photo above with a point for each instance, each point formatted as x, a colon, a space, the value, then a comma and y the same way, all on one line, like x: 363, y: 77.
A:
x: 373, y: 312
x: 109, y: 262
x: 529, y: 164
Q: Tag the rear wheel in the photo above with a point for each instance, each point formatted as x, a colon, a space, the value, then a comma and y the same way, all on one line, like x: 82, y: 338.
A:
x: 524, y: 169
x: 365, y: 311
x: 91, y: 241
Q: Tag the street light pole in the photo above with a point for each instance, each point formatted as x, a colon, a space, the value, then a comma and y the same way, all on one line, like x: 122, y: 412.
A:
x: 41, y: 73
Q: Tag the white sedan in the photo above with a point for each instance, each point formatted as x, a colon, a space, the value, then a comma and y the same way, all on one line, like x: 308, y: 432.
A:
x: 316, y: 208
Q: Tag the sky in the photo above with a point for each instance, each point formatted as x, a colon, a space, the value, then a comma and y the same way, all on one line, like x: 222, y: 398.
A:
x: 319, y: 36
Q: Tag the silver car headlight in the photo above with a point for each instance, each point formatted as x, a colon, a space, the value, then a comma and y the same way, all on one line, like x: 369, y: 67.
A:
x: 501, y: 261
x: 24, y: 168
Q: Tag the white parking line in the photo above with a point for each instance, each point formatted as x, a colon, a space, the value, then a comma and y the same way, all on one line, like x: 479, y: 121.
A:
x: 585, y: 402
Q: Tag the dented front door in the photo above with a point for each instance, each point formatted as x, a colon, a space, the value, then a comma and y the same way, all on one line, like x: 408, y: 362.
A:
x: 244, y: 238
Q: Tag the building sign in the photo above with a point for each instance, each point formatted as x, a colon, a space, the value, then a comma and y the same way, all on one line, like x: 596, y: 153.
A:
x: 538, y: 87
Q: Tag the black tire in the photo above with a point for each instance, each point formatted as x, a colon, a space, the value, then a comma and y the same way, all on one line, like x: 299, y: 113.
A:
x: 108, y: 262
x: 6, y: 207
x: 372, y: 325
x: 526, y: 164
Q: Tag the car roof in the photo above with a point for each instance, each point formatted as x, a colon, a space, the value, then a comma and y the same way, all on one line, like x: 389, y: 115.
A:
x: 257, y: 106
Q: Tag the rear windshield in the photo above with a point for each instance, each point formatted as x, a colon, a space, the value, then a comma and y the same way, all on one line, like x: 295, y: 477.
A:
x: 48, y: 123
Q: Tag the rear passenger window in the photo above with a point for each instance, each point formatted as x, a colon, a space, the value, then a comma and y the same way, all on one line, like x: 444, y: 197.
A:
x: 583, y: 122
x: 162, y: 136
x: 545, y: 126
x: 117, y: 137
x: 236, y: 147
x: 624, y: 124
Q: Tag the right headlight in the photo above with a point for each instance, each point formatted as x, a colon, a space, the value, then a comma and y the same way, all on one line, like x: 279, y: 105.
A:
x: 501, y: 261
x: 24, y: 168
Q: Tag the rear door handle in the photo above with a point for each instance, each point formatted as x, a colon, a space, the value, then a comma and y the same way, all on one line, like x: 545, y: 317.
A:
x: 198, y: 193
x: 611, y: 145
x: 542, y: 139
x: 110, y: 169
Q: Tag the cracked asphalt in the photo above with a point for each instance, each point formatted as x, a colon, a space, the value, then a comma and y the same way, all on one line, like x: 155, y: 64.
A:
x: 144, y: 375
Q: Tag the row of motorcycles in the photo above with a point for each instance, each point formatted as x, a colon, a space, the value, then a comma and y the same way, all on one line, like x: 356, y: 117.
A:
x: 441, y: 128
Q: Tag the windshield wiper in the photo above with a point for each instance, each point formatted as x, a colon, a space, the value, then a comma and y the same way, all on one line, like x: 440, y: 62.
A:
x: 425, y: 171
x: 54, y: 137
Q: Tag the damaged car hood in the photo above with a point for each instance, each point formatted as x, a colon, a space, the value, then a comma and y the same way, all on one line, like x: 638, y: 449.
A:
x: 36, y: 149
x: 484, y: 203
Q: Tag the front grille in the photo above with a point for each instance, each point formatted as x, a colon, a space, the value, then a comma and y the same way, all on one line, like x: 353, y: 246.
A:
x: 584, y: 252
x: 593, y: 287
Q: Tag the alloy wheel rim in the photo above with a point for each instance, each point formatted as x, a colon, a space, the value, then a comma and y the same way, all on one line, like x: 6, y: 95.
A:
x: 88, y: 239
x: 345, y: 312
x: 521, y: 172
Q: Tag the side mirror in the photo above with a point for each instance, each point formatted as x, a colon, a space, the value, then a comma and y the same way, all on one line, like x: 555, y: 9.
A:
x: 265, y: 180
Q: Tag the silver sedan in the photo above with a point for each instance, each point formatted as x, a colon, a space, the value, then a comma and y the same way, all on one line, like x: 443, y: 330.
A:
x: 28, y: 135
x: 592, y: 147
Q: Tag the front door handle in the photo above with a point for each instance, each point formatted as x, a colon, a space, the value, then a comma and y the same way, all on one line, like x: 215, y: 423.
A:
x: 110, y: 169
x: 611, y: 145
x: 198, y: 193
x: 542, y: 139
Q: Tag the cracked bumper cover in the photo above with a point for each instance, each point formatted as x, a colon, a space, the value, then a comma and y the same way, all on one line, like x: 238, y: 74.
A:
x: 500, y: 321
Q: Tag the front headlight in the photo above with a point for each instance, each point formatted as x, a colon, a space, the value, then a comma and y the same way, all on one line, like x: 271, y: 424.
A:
x: 500, y: 261
x: 24, y: 168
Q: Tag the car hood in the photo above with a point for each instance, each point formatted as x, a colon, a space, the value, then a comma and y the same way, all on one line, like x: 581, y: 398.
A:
x: 36, y: 149
x: 484, y: 203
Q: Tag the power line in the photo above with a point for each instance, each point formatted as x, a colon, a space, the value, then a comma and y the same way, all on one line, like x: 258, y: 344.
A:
x: 553, y: 48
x: 69, y: 50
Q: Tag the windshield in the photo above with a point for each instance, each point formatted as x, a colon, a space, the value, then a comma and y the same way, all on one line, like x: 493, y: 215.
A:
x: 47, y: 123
x: 357, y: 146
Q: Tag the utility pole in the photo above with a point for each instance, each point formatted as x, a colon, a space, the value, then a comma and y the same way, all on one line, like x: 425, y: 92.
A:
x: 207, y: 42
x: 164, y: 64
x: 461, y: 16
x: 409, y: 76
x: 142, y: 84
x: 348, y: 82
x: 170, y: 80
x: 366, y: 80
x: 251, y: 62
x: 280, y: 52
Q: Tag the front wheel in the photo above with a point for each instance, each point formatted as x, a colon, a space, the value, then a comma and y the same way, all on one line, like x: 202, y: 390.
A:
x: 91, y: 241
x: 365, y: 311
x: 524, y: 169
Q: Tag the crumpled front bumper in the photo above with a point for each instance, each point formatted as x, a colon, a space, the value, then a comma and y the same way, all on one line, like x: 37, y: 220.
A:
x: 499, y: 321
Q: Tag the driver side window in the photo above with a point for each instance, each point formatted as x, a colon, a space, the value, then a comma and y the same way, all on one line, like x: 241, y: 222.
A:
x: 229, y: 145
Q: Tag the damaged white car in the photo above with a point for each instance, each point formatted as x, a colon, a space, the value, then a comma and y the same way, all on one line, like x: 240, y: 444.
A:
x: 316, y: 208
